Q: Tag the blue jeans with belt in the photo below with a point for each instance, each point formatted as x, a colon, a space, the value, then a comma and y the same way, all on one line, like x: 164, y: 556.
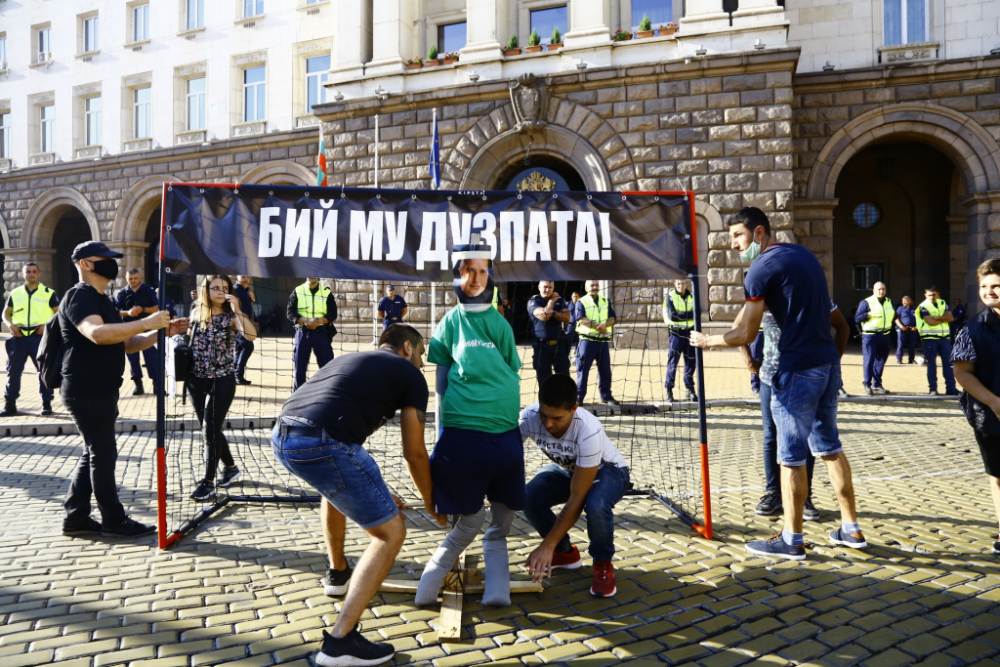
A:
x: 19, y: 350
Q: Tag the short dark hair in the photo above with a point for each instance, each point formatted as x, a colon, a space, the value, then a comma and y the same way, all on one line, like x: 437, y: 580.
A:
x: 751, y: 217
x: 132, y: 272
x: 932, y: 288
x: 558, y: 391
x: 397, y: 334
x: 990, y: 267
x: 27, y: 264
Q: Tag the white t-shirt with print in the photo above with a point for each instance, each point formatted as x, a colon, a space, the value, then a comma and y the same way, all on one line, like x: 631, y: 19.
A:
x: 584, y: 444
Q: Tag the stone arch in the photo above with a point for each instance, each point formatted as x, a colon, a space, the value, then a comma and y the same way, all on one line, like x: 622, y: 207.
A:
x: 4, y: 234
x: 280, y: 172
x: 573, y: 133
x: 139, y: 202
x: 969, y: 146
x: 45, y: 212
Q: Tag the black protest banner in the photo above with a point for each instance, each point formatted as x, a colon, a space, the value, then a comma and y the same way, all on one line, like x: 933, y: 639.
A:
x: 361, y: 234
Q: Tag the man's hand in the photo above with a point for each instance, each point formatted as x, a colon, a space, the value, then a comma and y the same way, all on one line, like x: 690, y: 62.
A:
x: 698, y: 339
x: 16, y: 332
x: 553, y: 296
x: 158, y: 320
x: 135, y: 311
x: 540, y: 563
x: 442, y: 519
x: 753, y: 366
x: 177, y: 326
x: 312, y: 323
x: 603, y: 328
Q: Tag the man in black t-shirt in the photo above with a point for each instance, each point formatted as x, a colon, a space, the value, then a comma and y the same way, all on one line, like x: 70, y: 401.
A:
x: 319, y: 438
x: 95, y: 341
x: 548, y: 312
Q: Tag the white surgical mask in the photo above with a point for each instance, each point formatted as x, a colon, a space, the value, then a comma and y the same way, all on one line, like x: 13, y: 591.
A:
x: 751, y: 253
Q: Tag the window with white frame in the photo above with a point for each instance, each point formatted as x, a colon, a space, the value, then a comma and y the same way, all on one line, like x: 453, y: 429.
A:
x: 142, y: 113
x: 905, y: 21
x: 92, y: 121
x: 544, y: 20
x: 195, y: 14
x: 660, y: 12
x: 46, y: 128
x: 43, y: 41
x: 316, y: 74
x: 90, y: 40
x: 195, y: 97
x: 3, y: 46
x: 140, y: 22
x: 254, y: 94
x: 5, y: 133
x: 253, y: 8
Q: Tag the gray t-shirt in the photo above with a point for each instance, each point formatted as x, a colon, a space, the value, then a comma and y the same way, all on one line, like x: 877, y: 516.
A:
x: 772, y: 334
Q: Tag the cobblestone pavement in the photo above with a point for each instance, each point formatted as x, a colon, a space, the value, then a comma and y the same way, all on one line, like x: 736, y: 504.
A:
x: 243, y: 589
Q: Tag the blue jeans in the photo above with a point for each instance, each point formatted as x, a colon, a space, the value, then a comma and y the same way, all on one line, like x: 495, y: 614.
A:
x: 244, y: 348
x: 875, y: 351
x: 757, y: 354
x: 551, y: 487
x: 804, y: 407
x: 308, y: 342
x: 905, y: 340
x: 932, y: 348
x: 590, y: 351
x: 19, y: 350
x: 772, y: 471
x: 342, y: 473
x: 680, y: 346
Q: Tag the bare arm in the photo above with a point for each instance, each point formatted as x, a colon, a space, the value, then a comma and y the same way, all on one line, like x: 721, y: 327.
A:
x: 842, y: 330
x: 540, y: 560
x: 417, y: 462
x: 101, y: 333
x: 743, y: 334
x: 752, y: 364
x: 15, y: 331
x: 406, y: 309
x: 965, y: 376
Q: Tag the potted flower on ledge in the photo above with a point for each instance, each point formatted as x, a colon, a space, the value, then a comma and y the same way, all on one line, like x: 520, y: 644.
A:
x: 645, y: 28
x: 534, y: 43
x: 622, y: 36
x: 668, y: 29
x: 512, y: 49
x: 432, y: 57
x: 451, y: 58
x: 415, y: 63
x: 556, y: 42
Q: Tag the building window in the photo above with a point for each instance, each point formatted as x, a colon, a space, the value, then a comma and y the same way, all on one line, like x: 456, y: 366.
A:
x: 3, y: 49
x: 90, y: 42
x: 254, y: 94
x: 452, y: 37
x: 316, y: 73
x: 195, y: 14
x: 140, y: 23
x: 253, y: 8
x: 5, y: 132
x: 195, y: 103
x: 44, y: 42
x: 544, y: 20
x: 660, y: 12
x: 905, y: 21
x: 866, y: 275
x: 867, y: 215
x: 92, y: 121
x: 47, y: 128
x: 142, y: 113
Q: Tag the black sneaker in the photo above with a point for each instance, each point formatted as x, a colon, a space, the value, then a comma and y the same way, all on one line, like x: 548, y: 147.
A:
x: 691, y: 396
x: 243, y: 381
x: 996, y: 545
x: 868, y: 390
x: 335, y: 581
x: 89, y: 526
x: 129, y: 527
x: 46, y: 408
x: 842, y: 393
x: 9, y: 409
x: 611, y: 401
x: 809, y: 512
x: 769, y: 504
x: 203, y: 491
x: 228, y: 476
x: 352, y: 649
x: 880, y: 390
x: 139, y: 389
x: 670, y: 394
x: 952, y: 392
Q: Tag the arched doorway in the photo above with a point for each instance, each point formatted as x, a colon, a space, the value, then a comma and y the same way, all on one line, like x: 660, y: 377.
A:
x: 891, y: 224
x: 71, y: 229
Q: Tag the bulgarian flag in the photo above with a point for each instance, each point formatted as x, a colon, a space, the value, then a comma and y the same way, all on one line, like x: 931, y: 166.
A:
x: 321, y: 171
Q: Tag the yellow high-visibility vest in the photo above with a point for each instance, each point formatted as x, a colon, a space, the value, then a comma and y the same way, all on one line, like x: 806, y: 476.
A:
x: 496, y: 297
x: 595, y: 312
x: 682, y: 306
x: 881, y: 316
x: 31, y: 310
x: 311, y: 305
x: 934, y: 309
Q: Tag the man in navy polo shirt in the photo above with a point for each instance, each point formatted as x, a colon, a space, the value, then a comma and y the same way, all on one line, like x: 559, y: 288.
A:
x: 548, y: 312
x: 787, y: 280
x: 392, y: 308
x: 243, y: 290
x: 135, y: 302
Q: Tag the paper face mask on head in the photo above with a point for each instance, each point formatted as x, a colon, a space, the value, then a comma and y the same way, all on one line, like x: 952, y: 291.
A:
x: 473, y: 271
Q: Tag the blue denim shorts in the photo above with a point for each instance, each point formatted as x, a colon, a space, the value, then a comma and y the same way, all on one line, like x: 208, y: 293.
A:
x: 804, y: 408
x: 342, y: 473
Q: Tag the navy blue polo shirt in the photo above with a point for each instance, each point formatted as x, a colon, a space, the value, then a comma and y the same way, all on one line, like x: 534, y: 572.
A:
x: 392, y: 308
x: 791, y: 282
x: 552, y: 329
x: 906, y: 316
x: 246, y: 303
x: 126, y: 299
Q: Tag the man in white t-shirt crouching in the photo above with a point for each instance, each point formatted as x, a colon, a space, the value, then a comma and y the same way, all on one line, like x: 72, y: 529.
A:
x: 588, y: 474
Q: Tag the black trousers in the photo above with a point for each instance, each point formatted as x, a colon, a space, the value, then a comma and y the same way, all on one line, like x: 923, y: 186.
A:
x: 547, y: 359
x: 94, y: 474
x: 212, y: 398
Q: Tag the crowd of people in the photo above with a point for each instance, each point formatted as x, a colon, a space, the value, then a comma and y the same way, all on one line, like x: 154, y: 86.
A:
x: 789, y: 332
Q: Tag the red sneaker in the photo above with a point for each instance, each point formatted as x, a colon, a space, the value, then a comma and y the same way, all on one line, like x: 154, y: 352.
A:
x: 566, y: 561
x: 604, y: 580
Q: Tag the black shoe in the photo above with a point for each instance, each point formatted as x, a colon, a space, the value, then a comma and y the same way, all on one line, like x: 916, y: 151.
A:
x: 996, y: 545
x: 9, y: 409
x: 243, y: 381
x: 842, y: 393
x: 89, y: 526
x: 933, y: 392
x: 352, y: 649
x: 129, y: 527
x: 139, y: 390
x: 670, y: 394
x: 770, y: 504
x: 868, y: 390
x: 228, y: 476
x: 611, y: 401
x: 335, y: 581
x: 900, y: 362
x: 880, y: 390
x: 203, y: 491
x: 809, y: 512
x: 951, y: 392
x: 46, y: 408
x: 691, y: 396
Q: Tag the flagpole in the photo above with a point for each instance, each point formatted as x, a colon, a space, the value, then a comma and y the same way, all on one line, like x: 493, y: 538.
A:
x: 375, y: 283
x: 434, y: 153
x: 376, y: 151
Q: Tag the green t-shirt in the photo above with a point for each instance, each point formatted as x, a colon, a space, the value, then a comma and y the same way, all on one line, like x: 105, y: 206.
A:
x: 484, y: 389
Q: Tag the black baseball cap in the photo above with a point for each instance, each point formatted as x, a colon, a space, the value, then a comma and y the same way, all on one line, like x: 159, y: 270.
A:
x: 392, y: 287
x: 93, y: 249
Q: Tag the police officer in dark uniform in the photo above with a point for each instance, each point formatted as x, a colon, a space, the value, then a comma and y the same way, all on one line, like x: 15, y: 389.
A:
x: 906, y: 330
x: 392, y: 309
x: 312, y: 309
x: 678, y: 314
x: 875, y: 315
x: 548, y: 313
x: 134, y: 302
x: 29, y: 307
x: 243, y: 290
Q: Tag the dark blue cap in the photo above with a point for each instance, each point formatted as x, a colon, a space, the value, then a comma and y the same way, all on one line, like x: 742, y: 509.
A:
x: 93, y: 249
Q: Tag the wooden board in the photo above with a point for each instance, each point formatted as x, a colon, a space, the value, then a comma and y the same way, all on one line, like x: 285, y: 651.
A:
x: 410, y: 586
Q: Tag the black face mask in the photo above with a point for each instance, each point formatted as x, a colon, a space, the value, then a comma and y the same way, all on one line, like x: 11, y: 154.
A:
x: 106, y: 268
